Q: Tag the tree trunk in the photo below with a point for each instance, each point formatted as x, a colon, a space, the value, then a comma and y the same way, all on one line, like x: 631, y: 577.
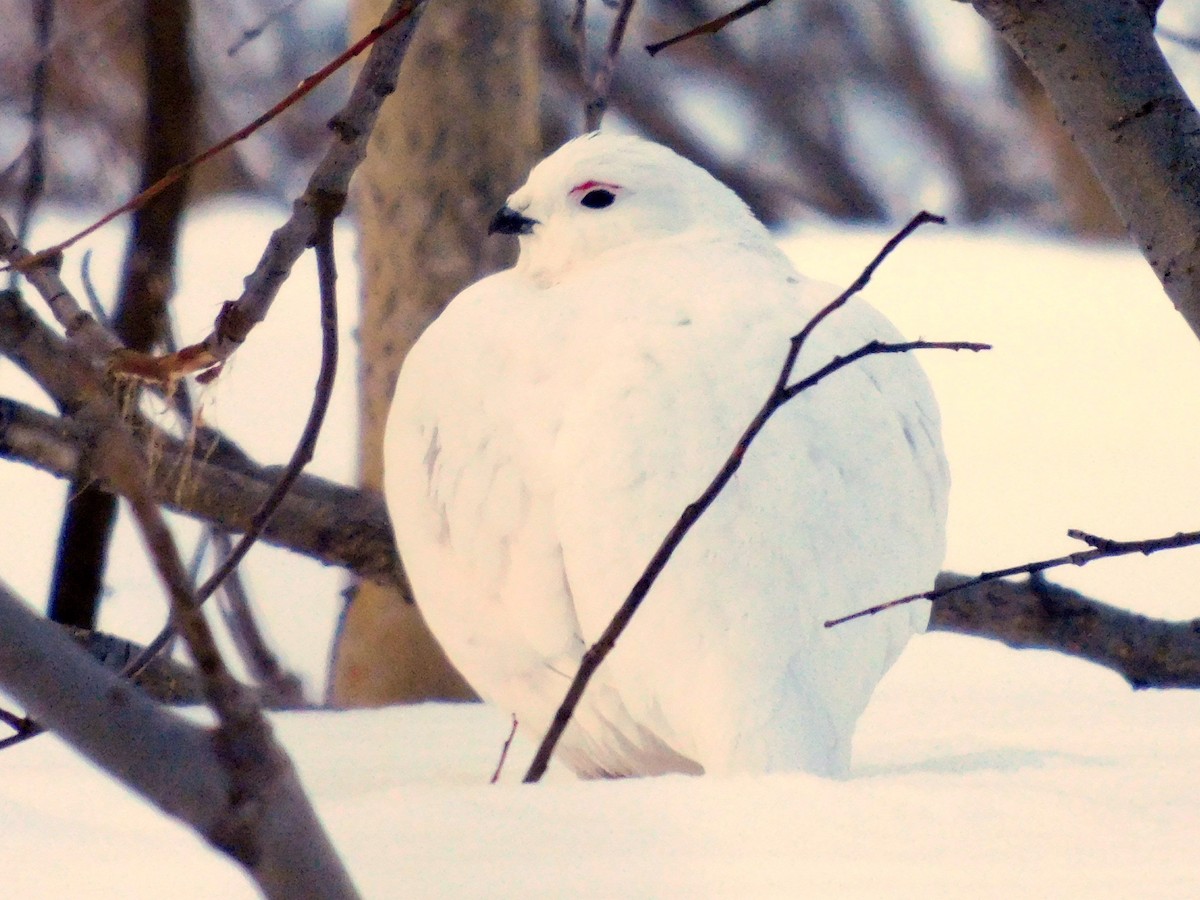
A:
x: 458, y: 136
x: 147, y: 281
x: 1101, y: 66
x: 1086, y: 209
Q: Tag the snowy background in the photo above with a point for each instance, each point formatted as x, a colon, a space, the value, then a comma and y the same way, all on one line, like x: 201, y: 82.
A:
x: 979, y: 771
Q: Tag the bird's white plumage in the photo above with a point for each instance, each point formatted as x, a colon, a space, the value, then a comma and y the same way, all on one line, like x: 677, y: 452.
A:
x: 550, y: 427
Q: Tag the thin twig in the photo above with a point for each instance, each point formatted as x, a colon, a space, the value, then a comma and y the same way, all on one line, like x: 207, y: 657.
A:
x: 81, y: 328
x: 1101, y: 548
x: 284, y: 689
x: 602, y: 83
x: 873, y: 348
x: 780, y: 394
x: 924, y: 217
x: 305, y: 87
x: 198, y: 554
x: 512, y: 733
x: 710, y: 27
x: 327, y: 275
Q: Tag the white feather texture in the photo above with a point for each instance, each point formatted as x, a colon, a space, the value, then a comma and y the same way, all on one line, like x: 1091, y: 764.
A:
x: 550, y: 427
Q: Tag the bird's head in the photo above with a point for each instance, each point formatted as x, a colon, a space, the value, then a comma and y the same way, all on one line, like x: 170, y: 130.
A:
x: 601, y: 192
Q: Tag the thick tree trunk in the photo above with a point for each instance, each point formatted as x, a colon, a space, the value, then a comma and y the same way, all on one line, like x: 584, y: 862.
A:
x: 459, y: 135
x: 1102, y: 68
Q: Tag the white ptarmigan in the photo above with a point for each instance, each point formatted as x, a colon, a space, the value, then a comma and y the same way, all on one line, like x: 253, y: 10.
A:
x: 551, y: 425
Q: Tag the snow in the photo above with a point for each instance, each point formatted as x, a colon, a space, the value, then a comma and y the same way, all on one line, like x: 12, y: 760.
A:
x: 979, y: 771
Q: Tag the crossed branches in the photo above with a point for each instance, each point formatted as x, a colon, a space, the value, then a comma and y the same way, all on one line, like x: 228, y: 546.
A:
x: 247, y: 800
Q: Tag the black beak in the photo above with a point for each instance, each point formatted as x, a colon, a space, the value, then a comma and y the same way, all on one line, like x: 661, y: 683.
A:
x: 509, y: 221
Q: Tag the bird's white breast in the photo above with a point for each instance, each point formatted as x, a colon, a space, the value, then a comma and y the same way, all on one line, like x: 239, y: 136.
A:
x: 543, y: 441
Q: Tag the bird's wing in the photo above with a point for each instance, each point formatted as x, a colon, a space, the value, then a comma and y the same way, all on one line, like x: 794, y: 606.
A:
x: 470, y: 514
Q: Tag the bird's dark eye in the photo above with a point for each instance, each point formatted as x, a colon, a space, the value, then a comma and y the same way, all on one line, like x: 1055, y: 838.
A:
x: 598, y: 198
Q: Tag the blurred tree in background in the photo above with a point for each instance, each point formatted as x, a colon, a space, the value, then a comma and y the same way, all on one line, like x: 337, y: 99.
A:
x: 854, y: 110
x: 460, y: 131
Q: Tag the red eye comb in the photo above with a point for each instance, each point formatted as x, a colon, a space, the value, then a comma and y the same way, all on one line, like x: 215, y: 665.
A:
x: 592, y: 185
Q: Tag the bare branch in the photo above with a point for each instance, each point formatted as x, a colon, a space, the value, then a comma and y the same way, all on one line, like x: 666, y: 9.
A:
x: 323, y: 393
x: 260, y: 776
x: 398, y: 13
x: 175, y: 764
x: 83, y: 330
x: 711, y: 27
x: 602, y: 83
x: 1039, y: 615
x: 96, y: 712
x: 89, y: 290
x: 924, y: 217
x: 243, y: 740
x: 332, y: 523
x: 781, y: 393
x: 1102, y: 548
x: 326, y: 189
x: 280, y: 688
x: 512, y: 733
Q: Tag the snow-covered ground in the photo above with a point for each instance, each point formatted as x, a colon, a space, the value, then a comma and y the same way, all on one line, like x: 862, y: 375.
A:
x: 979, y: 771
